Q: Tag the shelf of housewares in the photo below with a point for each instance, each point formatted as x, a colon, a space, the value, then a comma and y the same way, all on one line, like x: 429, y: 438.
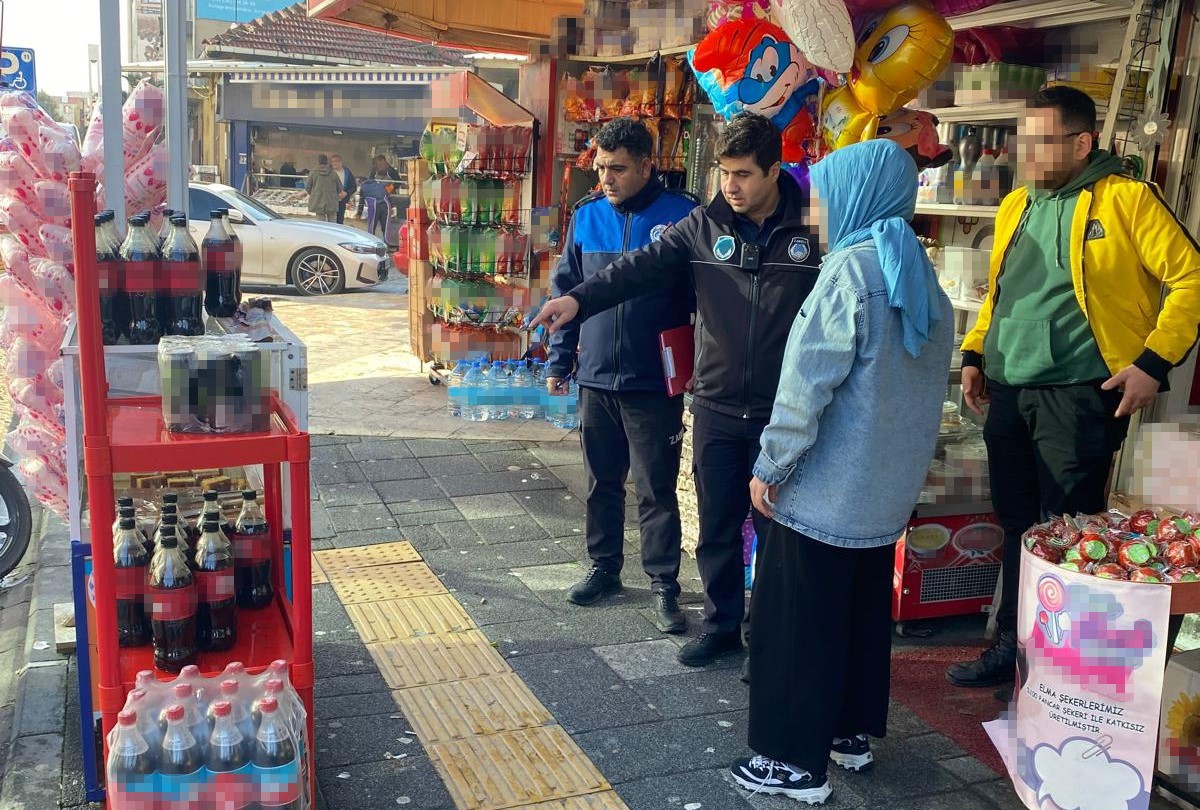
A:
x: 128, y: 435
x: 953, y: 210
x: 1043, y: 13
x: 632, y: 58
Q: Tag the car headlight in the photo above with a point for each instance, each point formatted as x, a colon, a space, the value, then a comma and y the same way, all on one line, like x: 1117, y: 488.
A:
x: 356, y: 247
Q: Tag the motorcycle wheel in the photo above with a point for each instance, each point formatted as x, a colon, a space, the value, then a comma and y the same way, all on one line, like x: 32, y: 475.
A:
x: 16, y: 521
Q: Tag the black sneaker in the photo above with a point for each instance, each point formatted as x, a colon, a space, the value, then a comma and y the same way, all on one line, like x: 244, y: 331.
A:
x: 763, y: 775
x: 853, y: 754
x: 595, y: 586
x: 996, y: 665
x: 708, y: 647
x: 667, y: 616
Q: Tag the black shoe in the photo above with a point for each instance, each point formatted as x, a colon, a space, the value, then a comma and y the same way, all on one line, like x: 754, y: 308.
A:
x: 667, y: 616
x: 769, y: 776
x: 996, y: 665
x: 745, y: 676
x: 853, y: 754
x: 708, y: 647
x: 595, y: 586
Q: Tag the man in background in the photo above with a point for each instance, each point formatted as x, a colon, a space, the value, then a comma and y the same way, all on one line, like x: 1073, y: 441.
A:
x: 349, y: 186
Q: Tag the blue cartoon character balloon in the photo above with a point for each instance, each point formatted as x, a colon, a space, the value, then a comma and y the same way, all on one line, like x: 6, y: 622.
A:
x: 750, y: 65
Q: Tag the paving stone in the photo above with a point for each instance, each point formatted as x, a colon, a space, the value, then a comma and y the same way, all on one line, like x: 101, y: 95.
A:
x: 550, y: 584
x: 934, y: 746
x: 480, y: 446
x: 393, y: 469
x: 32, y: 773
x: 40, y: 702
x: 360, y: 705
x: 582, y: 692
x: 42, y: 621
x: 954, y: 800
x: 558, y: 454
x: 377, y: 449
x: 361, y: 518
x: 509, y: 460
x: 477, y: 507
x: 432, y: 448
x: 439, y: 466
x: 700, y: 691
x: 557, y: 511
x: 644, y: 659
x: 417, y: 506
x: 457, y: 533
x: 343, y: 657
x: 348, y: 494
x: 496, y: 557
x: 323, y: 439
x: 376, y: 785
x: 633, y: 751
x: 421, y: 489
x: 367, y: 537
x: 362, y: 739
x: 902, y: 773
x: 346, y: 472
x: 321, y: 544
x: 707, y: 789
x: 502, y: 530
x: 570, y: 630
x: 322, y: 528
x: 330, y: 619
x: 487, y: 483
x: 1001, y: 794
x: 493, y: 597
x: 428, y: 518
x: 903, y: 722
x: 424, y: 538
x: 348, y: 685
x: 330, y: 453
x: 968, y: 769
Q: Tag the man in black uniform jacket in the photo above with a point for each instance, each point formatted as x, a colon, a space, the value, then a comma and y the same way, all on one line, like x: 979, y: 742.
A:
x: 753, y: 260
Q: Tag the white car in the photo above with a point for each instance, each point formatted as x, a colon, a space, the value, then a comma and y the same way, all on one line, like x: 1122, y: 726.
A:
x: 317, y: 258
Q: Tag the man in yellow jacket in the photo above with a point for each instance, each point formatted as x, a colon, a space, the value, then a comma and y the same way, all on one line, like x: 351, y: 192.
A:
x: 1072, y: 338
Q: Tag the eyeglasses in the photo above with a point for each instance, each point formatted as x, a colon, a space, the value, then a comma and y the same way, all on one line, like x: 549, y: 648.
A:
x: 1028, y: 138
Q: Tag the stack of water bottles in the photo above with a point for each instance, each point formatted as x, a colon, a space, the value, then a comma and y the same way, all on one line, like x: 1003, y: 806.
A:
x: 480, y: 391
x: 235, y: 741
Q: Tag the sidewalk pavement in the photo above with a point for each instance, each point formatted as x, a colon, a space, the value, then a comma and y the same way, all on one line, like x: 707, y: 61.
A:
x: 500, y: 523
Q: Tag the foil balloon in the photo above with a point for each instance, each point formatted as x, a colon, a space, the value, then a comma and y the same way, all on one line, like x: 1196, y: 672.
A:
x: 899, y: 53
x: 916, y: 132
x: 821, y: 29
x: 749, y: 65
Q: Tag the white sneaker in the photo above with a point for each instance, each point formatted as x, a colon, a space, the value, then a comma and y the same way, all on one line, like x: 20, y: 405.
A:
x: 763, y: 775
x: 853, y: 754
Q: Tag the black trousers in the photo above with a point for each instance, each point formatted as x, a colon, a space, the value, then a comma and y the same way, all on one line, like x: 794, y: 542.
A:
x: 1050, y: 451
x: 640, y: 433
x: 820, y: 646
x: 341, y: 213
x: 724, y: 449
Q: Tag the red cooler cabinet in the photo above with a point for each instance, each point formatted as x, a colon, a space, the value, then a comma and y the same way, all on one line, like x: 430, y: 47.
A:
x: 946, y: 566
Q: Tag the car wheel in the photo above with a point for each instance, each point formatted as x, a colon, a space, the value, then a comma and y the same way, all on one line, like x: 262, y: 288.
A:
x: 316, y: 271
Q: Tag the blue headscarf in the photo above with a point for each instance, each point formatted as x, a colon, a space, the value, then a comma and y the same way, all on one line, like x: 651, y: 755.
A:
x: 869, y: 191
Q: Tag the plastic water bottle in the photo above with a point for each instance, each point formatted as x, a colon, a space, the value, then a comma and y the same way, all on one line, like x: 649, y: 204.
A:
x: 455, y: 380
x: 563, y: 409
x: 475, y: 381
x: 498, y: 382
x: 522, y: 392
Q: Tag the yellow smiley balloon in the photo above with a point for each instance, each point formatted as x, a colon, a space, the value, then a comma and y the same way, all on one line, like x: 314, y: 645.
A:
x: 898, y: 55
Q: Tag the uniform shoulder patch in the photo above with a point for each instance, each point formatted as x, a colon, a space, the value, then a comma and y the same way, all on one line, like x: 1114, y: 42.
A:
x: 656, y: 233
x: 595, y: 195
x: 799, y: 249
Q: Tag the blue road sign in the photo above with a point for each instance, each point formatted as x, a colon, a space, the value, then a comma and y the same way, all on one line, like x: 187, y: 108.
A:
x: 17, y: 69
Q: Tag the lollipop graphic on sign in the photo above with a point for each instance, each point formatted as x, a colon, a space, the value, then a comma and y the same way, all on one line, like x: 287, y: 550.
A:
x: 1052, y: 598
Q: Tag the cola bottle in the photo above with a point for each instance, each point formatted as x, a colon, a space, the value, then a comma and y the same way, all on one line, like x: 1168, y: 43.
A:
x: 227, y: 754
x: 231, y: 693
x: 171, y: 518
x: 126, y: 511
x: 140, y: 703
x: 130, y: 564
x: 110, y: 271
x: 220, y: 271
x: 216, y: 613
x: 172, y: 604
x: 212, y: 511
x: 181, y: 755
x: 183, y: 695
x: 164, y: 225
x: 237, y: 253
x: 275, y: 760
x: 183, y: 281
x: 190, y: 531
x: 252, y: 552
x: 130, y: 761
x: 142, y: 261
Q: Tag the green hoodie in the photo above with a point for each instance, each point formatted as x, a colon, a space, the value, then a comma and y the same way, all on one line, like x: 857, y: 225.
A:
x: 1039, y: 335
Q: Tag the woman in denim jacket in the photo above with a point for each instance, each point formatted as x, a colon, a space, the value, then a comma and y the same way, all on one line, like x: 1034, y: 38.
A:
x: 843, y: 459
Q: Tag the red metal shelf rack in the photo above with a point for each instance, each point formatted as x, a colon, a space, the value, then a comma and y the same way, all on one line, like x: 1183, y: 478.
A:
x: 127, y: 436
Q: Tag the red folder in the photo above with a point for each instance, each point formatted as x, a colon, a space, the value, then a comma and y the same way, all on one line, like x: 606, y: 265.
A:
x: 677, y: 347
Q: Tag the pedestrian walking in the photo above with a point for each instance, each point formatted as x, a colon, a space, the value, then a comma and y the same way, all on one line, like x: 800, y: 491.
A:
x: 840, y: 471
x: 323, y: 190
x: 349, y: 185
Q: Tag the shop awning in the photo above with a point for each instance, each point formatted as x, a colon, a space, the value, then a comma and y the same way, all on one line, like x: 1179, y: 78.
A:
x: 496, y: 25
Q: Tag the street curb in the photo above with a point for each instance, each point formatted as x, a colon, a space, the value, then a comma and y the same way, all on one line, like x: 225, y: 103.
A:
x: 33, y: 752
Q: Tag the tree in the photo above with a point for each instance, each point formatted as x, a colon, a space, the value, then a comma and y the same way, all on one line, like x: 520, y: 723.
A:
x: 50, y: 104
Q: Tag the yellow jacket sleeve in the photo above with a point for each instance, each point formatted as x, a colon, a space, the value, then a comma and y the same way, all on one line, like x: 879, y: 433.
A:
x: 1170, y: 254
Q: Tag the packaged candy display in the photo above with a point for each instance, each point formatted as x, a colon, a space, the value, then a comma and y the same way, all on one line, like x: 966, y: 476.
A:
x: 214, y: 384
x: 1147, y: 546
x: 231, y: 741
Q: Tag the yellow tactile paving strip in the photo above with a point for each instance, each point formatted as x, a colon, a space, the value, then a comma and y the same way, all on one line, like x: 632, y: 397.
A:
x: 318, y: 575
x: 495, y: 746
x: 408, y: 618
x: 384, y: 582
x: 514, y: 769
